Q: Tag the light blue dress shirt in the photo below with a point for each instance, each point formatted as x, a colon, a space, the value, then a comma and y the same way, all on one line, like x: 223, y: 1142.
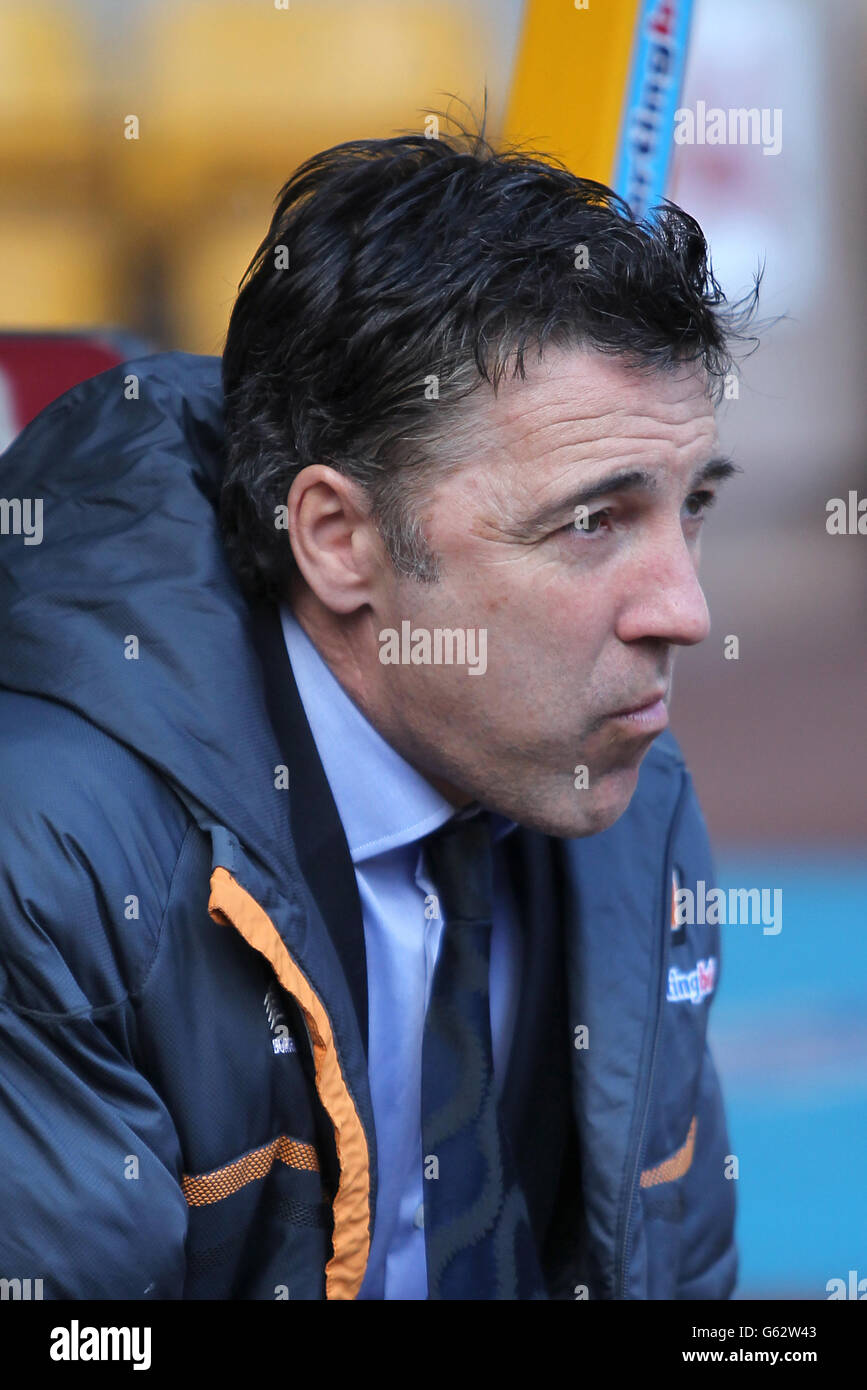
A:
x: 387, y: 808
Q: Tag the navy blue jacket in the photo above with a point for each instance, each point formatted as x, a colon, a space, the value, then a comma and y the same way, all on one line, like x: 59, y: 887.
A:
x: 184, y: 1097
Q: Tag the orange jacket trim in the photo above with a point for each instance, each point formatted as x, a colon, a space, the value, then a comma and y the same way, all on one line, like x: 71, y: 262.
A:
x: 202, y: 1189
x: 231, y: 904
x: 673, y: 1167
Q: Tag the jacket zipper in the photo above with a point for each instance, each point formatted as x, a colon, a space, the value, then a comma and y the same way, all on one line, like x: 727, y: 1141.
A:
x: 622, y: 1264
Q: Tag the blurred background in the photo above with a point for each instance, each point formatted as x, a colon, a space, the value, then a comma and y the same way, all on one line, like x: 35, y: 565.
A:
x: 141, y: 150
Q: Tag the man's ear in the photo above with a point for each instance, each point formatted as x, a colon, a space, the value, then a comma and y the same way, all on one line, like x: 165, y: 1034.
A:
x: 334, y: 540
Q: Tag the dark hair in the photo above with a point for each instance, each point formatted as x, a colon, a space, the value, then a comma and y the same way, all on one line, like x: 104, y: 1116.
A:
x: 391, y: 265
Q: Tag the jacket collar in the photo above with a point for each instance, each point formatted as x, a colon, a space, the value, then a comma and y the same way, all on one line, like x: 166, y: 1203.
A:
x: 317, y: 831
x: 382, y: 801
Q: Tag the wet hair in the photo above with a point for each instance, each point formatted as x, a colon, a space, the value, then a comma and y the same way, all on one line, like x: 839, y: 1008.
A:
x: 400, y: 275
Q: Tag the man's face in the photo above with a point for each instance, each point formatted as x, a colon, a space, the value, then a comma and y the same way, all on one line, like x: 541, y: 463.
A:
x: 582, y: 621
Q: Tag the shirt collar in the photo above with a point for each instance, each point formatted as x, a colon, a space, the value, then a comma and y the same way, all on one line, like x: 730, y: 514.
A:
x: 382, y: 801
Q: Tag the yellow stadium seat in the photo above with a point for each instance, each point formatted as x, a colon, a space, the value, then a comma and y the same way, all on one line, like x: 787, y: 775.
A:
x: 235, y: 91
x: 203, y: 268
x: 57, y: 270
x: 46, y: 88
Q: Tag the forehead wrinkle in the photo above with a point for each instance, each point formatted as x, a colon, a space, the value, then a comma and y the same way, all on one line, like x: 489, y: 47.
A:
x: 537, y: 419
x: 534, y: 485
x: 589, y: 421
x: 600, y: 422
x: 598, y: 378
x: 521, y: 515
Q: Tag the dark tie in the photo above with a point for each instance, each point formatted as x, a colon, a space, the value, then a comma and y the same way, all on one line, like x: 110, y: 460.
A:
x: 478, y: 1237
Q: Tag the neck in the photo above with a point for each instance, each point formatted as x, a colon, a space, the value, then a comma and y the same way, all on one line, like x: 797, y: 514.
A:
x: 340, y: 642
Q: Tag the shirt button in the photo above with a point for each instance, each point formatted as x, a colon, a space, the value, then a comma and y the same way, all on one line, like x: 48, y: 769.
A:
x: 418, y: 1219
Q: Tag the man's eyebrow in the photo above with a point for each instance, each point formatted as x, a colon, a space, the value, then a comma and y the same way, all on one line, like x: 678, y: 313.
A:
x: 624, y: 480
x: 716, y: 470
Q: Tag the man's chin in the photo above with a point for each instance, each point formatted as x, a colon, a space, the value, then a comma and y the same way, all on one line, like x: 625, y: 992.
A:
x: 585, y: 811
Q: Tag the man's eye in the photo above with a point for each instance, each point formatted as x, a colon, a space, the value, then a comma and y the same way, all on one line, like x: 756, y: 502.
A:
x: 588, y: 522
x: 698, y: 502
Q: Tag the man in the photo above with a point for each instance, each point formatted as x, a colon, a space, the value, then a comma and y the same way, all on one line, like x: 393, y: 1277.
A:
x: 340, y: 838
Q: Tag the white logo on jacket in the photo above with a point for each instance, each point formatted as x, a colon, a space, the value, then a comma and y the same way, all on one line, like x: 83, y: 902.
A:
x: 281, y: 1039
x: 693, y: 985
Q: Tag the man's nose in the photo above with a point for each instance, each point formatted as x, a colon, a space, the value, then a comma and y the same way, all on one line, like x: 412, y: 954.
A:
x: 665, y: 600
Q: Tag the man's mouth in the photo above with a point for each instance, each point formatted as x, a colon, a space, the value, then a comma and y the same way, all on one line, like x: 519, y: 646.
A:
x: 649, y: 715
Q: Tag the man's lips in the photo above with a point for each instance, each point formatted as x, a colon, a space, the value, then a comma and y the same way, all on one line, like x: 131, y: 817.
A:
x: 648, y: 715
